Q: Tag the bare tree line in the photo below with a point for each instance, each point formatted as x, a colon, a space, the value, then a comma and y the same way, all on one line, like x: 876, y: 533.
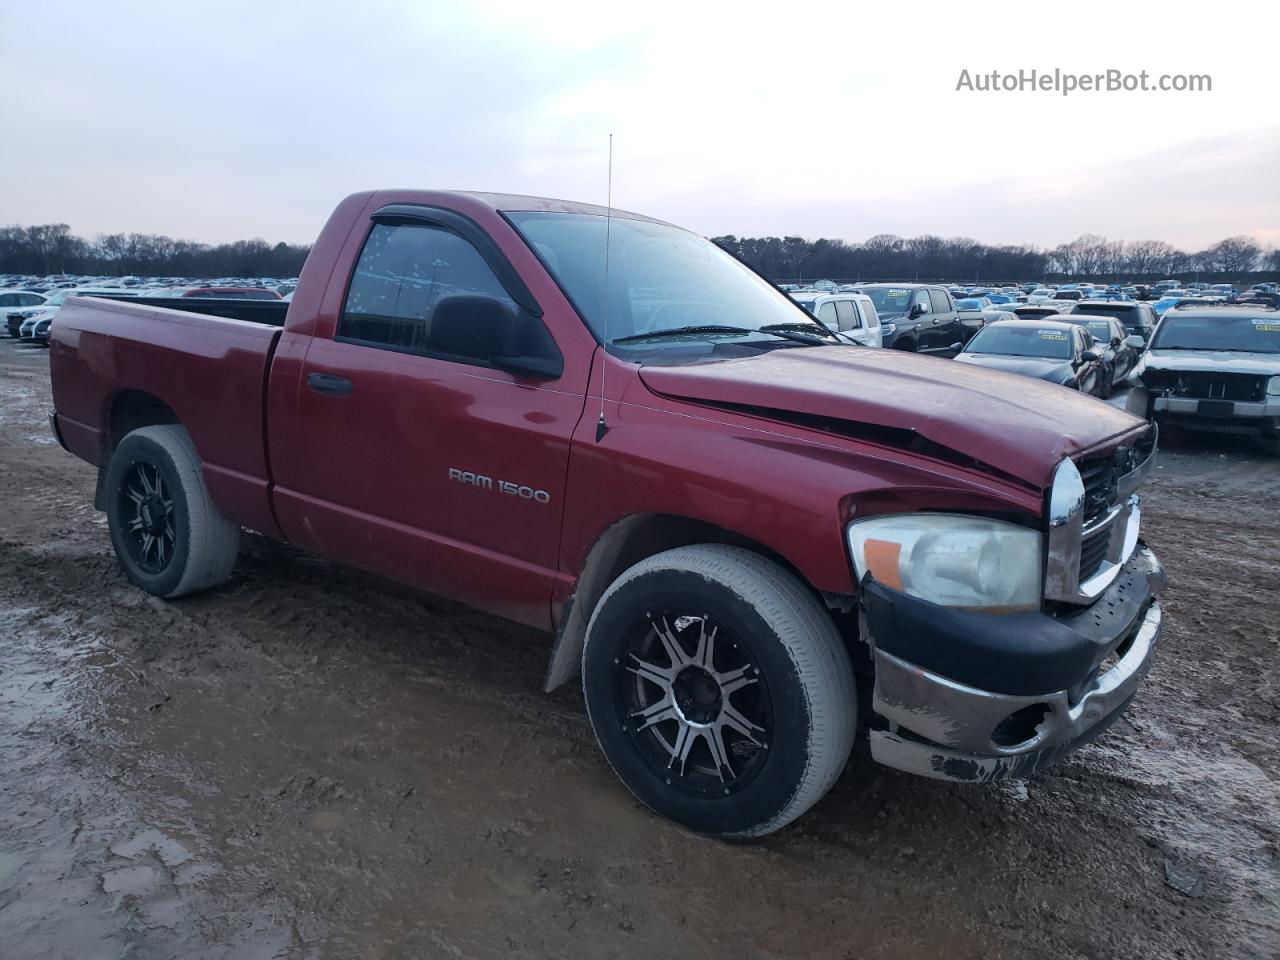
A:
x: 886, y: 256
x: 52, y: 248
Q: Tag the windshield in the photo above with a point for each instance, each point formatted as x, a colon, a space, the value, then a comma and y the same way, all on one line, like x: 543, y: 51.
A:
x: 1011, y: 341
x: 1245, y: 333
x: 1127, y: 314
x: 889, y: 300
x: 1101, y: 329
x: 660, y: 277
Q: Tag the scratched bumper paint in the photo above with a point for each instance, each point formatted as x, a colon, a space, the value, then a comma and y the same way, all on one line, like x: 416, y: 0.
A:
x: 943, y: 729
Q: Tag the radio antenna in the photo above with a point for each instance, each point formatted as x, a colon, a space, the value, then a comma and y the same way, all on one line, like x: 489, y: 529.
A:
x: 601, y: 426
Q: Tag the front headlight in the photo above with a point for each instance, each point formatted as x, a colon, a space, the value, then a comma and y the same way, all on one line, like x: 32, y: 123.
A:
x: 951, y: 559
x: 1273, y: 387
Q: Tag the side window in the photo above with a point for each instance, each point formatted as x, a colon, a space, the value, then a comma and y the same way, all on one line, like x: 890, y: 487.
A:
x: 403, y: 274
x: 9, y: 300
x: 941, y: 302
x: 29, y: 299
x: 827, y: 315
x: 922, y: 298
x: 848, y: 315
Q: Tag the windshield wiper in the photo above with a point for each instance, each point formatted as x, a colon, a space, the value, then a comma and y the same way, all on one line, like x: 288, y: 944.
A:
x: 682, y: 331
x: 721, y: 328
x: 1212, y: 349
x: 803, y: 332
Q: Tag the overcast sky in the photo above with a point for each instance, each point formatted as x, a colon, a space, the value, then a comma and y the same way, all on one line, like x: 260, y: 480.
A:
x: 233, y: 120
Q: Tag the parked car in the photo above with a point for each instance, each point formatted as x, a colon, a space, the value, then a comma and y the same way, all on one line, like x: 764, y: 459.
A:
x: 1138, y: 318
x: 1217, y: 370
x: 20, y: 298
x: 851, y: 315
x: 995, y: 315
x: 737, y: 528
x: 22, y: 322
x: 1074, y: 294
x: 919, y: 318
x: 1120, y: 350
x: 1050, y: 350
x: 1047, y: 309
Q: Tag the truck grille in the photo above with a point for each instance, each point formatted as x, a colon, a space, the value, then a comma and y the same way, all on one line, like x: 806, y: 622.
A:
x: 1093, y: 551
x: 1246, y: 387
x: 1093, y: 518
x: 1099, y: 488
x: 1102, y: 496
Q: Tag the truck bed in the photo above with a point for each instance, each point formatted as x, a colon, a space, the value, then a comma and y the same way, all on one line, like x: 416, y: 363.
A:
x: 110, y: 357
x: 269, y: 312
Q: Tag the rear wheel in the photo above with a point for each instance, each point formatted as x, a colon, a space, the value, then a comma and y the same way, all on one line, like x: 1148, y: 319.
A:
x: 168, y: 535
x: 719, y: 689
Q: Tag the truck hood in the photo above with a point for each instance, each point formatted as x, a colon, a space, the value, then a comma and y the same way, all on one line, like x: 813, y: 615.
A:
x: 1213, y: 361
x: 1016, y: 425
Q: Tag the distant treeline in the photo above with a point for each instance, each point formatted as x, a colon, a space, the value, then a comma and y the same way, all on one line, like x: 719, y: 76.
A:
x: 52, y: 248
x: 886, y: 257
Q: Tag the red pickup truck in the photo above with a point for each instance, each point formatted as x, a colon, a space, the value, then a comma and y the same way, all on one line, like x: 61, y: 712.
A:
x: 755, y: 542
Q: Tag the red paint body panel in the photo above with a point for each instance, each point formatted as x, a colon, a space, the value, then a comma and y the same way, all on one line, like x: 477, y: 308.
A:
x: 789, y: 488
x: 210, y: 371
x: 1018, y: 425
x: 364, y: 479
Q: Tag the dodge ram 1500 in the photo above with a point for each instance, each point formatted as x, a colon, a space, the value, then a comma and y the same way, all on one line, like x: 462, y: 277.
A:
x: 755, y: 543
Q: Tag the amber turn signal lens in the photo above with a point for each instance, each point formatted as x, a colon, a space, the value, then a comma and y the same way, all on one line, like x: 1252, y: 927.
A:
x: 882, y: 557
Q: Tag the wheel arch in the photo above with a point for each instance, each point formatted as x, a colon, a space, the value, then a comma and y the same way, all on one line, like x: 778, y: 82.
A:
x: 622, y: 545
x: 128, y: 410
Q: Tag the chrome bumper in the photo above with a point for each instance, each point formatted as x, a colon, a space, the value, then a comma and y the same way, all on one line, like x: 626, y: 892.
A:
x: 1191, y: 407
x: 958, y: 721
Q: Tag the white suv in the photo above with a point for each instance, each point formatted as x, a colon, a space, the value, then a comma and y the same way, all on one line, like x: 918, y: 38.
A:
x: 851, y: 315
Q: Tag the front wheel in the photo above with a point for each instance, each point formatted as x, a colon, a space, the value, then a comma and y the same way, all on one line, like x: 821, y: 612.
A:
x: 719, y: 690
x: 169, y: 536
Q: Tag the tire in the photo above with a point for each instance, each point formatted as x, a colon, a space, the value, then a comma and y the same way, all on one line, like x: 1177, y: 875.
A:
x: 154, y: 486
x: 784, y: 671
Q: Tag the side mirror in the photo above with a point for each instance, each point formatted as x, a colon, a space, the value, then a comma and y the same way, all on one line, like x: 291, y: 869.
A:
x: 917, y: 310
x: 1135, y: 341
x: 957, y: 347
x: 1091, y: 355
x: 494, y: 331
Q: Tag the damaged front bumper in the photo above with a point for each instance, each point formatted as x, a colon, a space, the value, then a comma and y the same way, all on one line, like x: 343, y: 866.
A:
x: 973, y: 697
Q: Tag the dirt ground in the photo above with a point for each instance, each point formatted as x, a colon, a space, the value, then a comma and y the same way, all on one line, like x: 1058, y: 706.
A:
x: 312, y: 762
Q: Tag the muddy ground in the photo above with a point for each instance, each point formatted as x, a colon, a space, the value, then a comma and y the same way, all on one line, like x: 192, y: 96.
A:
x: 312, y: 762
